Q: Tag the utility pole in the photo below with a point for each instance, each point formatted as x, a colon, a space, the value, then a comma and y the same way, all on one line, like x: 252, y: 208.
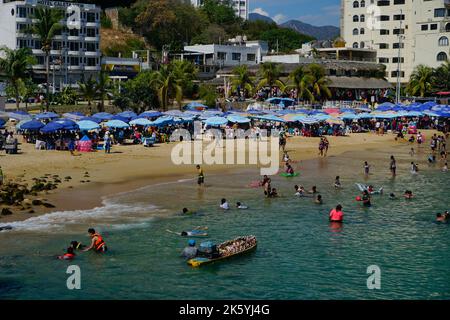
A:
x: 397, y: 93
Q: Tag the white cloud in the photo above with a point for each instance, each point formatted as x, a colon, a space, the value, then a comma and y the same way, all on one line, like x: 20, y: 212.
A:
x: 279, y: 18
x: 260, y: 11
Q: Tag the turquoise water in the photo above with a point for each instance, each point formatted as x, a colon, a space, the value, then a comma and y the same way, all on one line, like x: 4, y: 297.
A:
x: 299, y: 255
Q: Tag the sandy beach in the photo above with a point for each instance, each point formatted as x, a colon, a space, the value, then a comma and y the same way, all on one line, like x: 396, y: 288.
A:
x: 95, y: 175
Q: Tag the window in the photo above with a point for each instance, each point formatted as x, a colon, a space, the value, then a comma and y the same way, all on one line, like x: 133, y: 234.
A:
x: 382, y: 3
x: 355, y: 32
x: 74, y: 46
x: 433, y: 26
x: 74, y: 32
x: 236, y: 56
x: 399, y: 1
x: 383, y: 60
x: 397, y: 45
x: 90, y: 17
x: 90, y: 46
x: 447, y: 27
x: 398, y: 31
x: 442, y: 56
x: 443, y: 41
x: 424, y: 27
x: 56, y: 45
x: 395, y: 60
x: 22, y: 12
x: 355, y: 4
x: 355, y: 45
x: 394, y: 74
x: 251, y: 57
x: 74, y: 61
x: 37, y: 45
x: 383, y: 46
x: 363, y: 4
x: 362, y: 18
x: 384, y: 32
x: 383, y: 18
x: 362, y: 45
x: 40, y: 60
x: 90, y: 32
x: 91, y: 62
x: 355, y: 18
x: 21, y: 43
x: 399, y: 17
x: 221, y: 56
x: 361, y: 31
x: 439, y: 13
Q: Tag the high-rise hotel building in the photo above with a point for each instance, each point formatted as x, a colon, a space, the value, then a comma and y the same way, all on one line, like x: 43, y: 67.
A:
x: 75, y: 52
x: 411, y: 32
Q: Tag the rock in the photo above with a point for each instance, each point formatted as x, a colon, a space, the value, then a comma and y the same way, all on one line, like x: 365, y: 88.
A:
x: 27, y: 202
x: 36, y: 202
x: 5, y: 228
x: 48, y: 205
x: 68, y: 178
x: 6, y: 212
x: 31, y: 211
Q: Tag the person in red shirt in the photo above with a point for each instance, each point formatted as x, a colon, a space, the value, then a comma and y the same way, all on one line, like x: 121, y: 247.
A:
x: 336, y: 215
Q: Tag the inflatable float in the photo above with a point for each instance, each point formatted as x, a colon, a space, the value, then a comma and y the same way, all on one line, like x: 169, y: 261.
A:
x: 363, y: 187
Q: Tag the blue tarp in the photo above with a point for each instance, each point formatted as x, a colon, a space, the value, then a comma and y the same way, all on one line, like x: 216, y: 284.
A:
x: 67, y: 124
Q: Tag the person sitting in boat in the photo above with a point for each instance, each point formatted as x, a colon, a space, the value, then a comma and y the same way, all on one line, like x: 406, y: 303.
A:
x: 408, y: 194
x: 190, y: 251
x: 224, y: 204
x: 318, y: 199
x: 240, y: 206
x: 289, y: 169
x: 69, y: 255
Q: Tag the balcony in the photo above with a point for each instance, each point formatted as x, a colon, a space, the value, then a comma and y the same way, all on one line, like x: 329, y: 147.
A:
x: 74, y: 53
x: 92, y: 53
x: 73, y: 38
x: 74, y: 67
x: 92, y: 39
x: 93, y: 24
x: 92, y: 68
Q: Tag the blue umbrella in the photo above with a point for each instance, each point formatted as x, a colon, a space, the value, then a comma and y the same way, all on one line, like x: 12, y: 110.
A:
x: 348, y: 116
x: 269, y: 117
x: 364, y: 116
x: 116, y: 124
x: 93, y: 119
x: 23, y: 113
x: 127, y: 114
x: 195, y: 106
x: 46, y: 115
x: 103, y: 116
x: 216, y: 121
x: 75, y: 116
x: 414, y: 114
x: 140, y: 122
x: 2, y: 123
x: 162, y: 121
x: 150, y: 114
x: 67, y: 124
x: 52, y: 127
x: 117, y: 117
x: 87, y: 125
x: 31, y: 125
x: 174, y: 113
x: 238, y: 119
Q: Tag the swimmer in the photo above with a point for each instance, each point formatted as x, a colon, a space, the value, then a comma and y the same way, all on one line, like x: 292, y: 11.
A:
x: 440, y: 217
x: 408, y: 194
x: 273, y: 193
x: 431, y: 158
x: 224, y: 204
x: 318, y: 199
x: 299, y: 191
x: 286, y: 157
x: 313, y: 190
x: 370, y: 189
x: 445, y: 167
x: 412, y: 152
x: 414, y: 167
x: 77, y: 245
x: 97, y: 242
x: 336, y: 215
x: 240, y: 206
x: 69, y: 255
x: 187, y: 211
x: 366, y: 199
x: 337, y: 183
x: 392, y: 196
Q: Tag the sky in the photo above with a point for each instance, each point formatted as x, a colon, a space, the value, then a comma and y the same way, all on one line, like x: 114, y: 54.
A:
x: 315, y: 12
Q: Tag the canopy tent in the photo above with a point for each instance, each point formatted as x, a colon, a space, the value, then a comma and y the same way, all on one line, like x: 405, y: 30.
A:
x: 52, y: 127
x: 116, y: 124
x: 414, y: 114
x: 238, y: 119
x: 305, y: 119
x: 85, y: 144
x: 32, y: 125
x: 365, y: 116
x: 103, y: 116
x: 46, y: 115
x: 348, y: 116
x: 150, y: 114
x: 87, y: 125
x: 140, y: 122
x: 18, y: 115
x: 334, y: 121
x: 216, y: 121
x: 174, y: 113
x: 321, y: 116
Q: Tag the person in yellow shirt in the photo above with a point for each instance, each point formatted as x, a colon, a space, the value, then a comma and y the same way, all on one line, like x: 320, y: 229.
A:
x: 201, y: 176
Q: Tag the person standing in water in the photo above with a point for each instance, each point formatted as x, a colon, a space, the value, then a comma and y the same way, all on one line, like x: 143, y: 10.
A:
x: 1, y: 176
x: 337, y: 183
x: 393, y: 166
x: 97, y: 242
x: 201, y: 176
x: 366, y: 168
x: 337, y: 215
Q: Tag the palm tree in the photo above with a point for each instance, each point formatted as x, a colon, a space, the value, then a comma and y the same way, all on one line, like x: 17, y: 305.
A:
x: 102, y: 89
x: 319, y: 82
x: 242, y: 80
x: 420, y: 82
x: 46, y: 26
x: 88, y: 90
x: 441, y: 79
x: 302, y: 81
x: 270, y: 76
x: 15, y: 67
x: 167, y: 86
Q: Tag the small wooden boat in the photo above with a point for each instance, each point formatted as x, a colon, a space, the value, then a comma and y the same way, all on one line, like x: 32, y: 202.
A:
x: 200, y: 261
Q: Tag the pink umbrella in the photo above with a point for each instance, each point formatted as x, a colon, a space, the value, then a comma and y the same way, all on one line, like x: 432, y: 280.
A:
x: 331, y: 110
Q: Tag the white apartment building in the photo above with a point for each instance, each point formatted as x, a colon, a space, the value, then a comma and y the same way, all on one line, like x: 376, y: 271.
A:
x: 411, y: 32
x: 241, y: 7
x: 75, y: 51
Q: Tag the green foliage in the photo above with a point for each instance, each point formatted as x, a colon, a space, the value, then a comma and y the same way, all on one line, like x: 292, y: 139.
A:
x: 269, y: 74
x: 421, y: 81
x: 283, y: 39
x: 219, y: 12
x: 125, y: 49
x: 88, y: 90
x: 242, y: 81
x: 208, y: 94
x: 105, y: 21
x: 254, y: 29
x: 138, y: 94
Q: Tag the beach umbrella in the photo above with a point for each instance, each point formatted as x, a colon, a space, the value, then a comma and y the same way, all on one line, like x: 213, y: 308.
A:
x: 348, y: 116
x: 140, y: 122
x: 93, y: 119
x: 87, y: 125
x: 67, y: 124
x: 212, y: 113
x: 364, y: 116
x: 238, y: 119
x: 431, y: 113
x: 116, y: 124
x: 216, y: 121
x: 127, y: 114
x: 322, y: 116
x: 117, y: 117
x: 31, y: 125
x: 2, y: 122
x: 103, y: 116
x: 331, y: 110
x: 162, y: 121
x: 18, y: 115
x: 195, y: 106
x: 52, y: 127
x: 174, y: 113
x: 414, y: 114
x: 269, y: 117
x: 75, y: 116
x: 150, y: 114
x: 334, y: 121
x: 46, y: 115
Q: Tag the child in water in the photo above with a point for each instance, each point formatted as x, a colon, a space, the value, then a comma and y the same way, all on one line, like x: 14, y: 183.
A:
x: 224, y: 204
x: 392, y: 196
x: 69, y: 255
x: 412, y: 152
x: 299, y: 191
x: 408, y: 194
x: 445, y: 167
x: 240, y: 206
x: 318, y: 199
x: 337, y: 183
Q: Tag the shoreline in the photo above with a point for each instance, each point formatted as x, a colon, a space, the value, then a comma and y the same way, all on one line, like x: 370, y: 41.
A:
x: 130, y: 169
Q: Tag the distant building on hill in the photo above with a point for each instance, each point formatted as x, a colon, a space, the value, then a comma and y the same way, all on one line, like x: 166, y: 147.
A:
x: 75, y: 52
x: 241, y: 7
